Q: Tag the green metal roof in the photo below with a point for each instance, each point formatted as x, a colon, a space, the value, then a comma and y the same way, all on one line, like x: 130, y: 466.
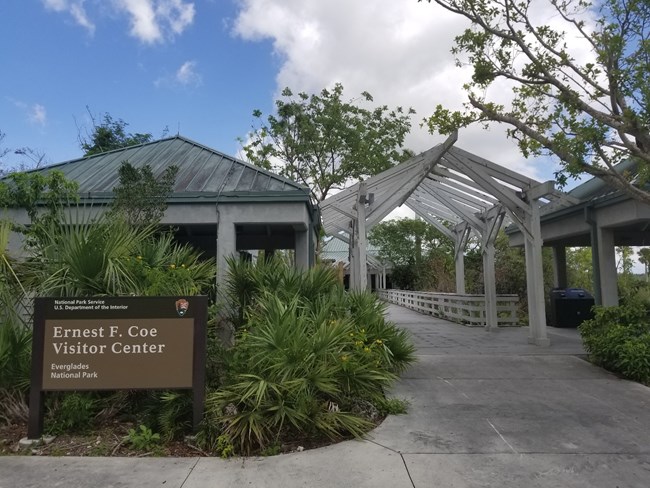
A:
x: 337, y: 250
x: 336, y: 245
x: 203, y: 173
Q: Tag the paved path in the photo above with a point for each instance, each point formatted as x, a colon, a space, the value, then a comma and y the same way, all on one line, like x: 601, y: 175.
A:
x: 487, y: 410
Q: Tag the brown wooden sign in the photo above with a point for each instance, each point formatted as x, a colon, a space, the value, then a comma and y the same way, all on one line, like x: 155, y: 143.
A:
x: 112, y: 343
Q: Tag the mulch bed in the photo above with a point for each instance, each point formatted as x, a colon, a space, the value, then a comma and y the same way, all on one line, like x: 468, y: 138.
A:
x: 106, y: 441
x: 109, y: 441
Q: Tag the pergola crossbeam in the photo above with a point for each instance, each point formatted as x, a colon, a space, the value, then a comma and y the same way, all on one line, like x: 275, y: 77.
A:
x: 377, y: 212
x: 495, y: 171
x: 437, y: 224
x: 434, y: 206
x: 488, y: 199
x: 438, y: 201
x: 470, y: 201
x: 457, y: 208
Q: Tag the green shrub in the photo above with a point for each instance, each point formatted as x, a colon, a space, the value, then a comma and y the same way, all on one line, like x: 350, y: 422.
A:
x: 13, y: 407
x: 307, y: 355
x: 142, y: 438
x: 15, y: 337
x: 73, y: 412
x: 224, y: 447
x: 634, y: 358
x: 272, y: 450
x: 393, y: 406
x: 169, y: 412
x: 108, y: 256
x: 210, y: 437
x: 15, y: 357
x: 289, y: 371
x: 618, y: 338
x: 15, y: 371
x: 84, y: 259
x: 246, y: 281
x: 161, y: 266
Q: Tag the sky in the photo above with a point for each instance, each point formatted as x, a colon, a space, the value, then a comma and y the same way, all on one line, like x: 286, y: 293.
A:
x: 199, y: 68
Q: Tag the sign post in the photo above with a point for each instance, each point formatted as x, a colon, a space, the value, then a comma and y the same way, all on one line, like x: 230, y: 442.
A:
x: 117, y: 343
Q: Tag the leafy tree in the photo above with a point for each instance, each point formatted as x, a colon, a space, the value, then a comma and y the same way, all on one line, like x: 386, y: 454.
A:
x: 33, y: 158
x: 590, y: 111
x: 628, y: 284
x: 322, y: 141
x: 644, y: 258
x: 3, y: 150
x: 580, y: 268
x: 110, y: 134
x: 405, y: 240
x: 625, y: 262
x: 140, y: 196
x: 34, y: 191
x: 416, y: 249
x: 509, y: 269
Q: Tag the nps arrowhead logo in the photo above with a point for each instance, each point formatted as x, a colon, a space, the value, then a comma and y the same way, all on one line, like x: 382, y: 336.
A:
x: 182, y: 306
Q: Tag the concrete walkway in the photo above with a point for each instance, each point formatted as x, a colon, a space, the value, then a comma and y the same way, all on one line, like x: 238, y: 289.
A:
x: 487, y: 410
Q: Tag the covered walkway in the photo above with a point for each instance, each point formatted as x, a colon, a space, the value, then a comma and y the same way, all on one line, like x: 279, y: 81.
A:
x: 462, y: 195
x: 486, y: 410
x: 435, y: 336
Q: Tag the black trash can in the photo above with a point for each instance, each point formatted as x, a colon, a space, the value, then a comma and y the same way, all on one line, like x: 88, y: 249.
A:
x: 570, y: 307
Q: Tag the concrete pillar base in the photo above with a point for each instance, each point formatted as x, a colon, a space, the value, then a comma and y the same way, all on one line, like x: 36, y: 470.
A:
x: 539, y: 342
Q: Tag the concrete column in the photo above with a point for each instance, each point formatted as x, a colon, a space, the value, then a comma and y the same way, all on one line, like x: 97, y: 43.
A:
x: 313, y: 242
x: 302, y: 250
x: 226, y: 247
x: 460, y: 272
x: 595, y: 252
x: 606, y: 260
x: 360, y: 281
x: 352, y: 256
x: 535, y: 280
x: 361, y: 240
x: 460, y: 239
x: 490, y: 287
x: 559, y: 267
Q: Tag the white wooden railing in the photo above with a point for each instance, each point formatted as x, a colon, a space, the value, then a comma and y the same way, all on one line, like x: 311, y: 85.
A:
x: 460, y: 308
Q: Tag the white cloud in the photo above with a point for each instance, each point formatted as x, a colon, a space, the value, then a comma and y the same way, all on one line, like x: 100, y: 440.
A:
x: 151, y: 21
x: 186, y: 76
x: 37, y: 114
x: 75, y: 8
x: 176, y: 13
x: 399, y: 51
x: 56, y: 5
x: 156, y: 20
x: 143, y: 19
